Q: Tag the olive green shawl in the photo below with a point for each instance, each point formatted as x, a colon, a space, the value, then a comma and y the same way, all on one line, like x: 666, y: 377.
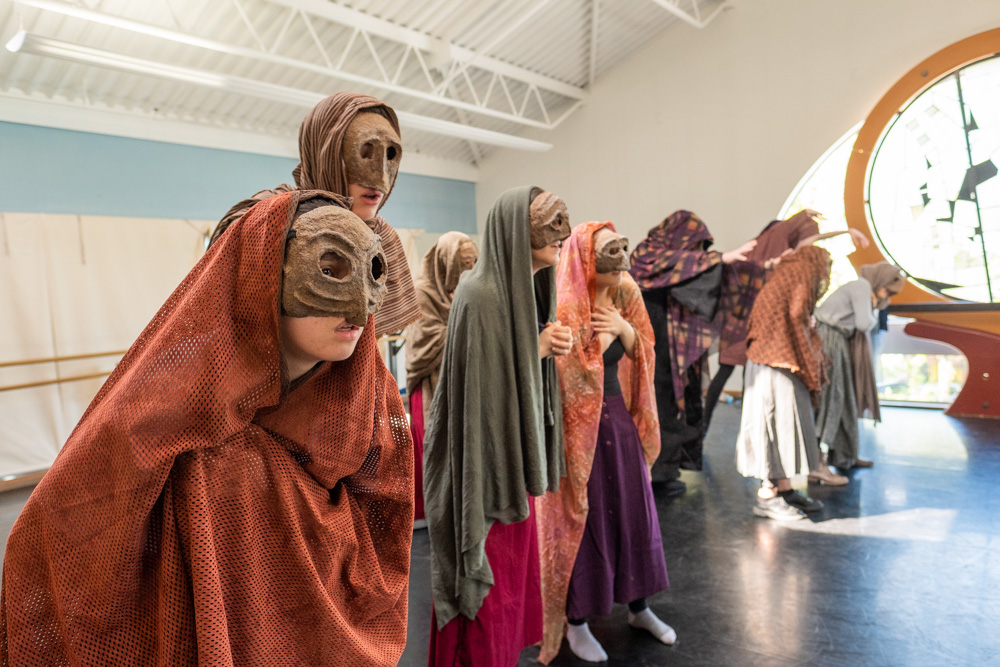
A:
x: 492, y: 438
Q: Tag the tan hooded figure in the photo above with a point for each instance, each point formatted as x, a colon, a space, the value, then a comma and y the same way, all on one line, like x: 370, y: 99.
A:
x: 349, y: 144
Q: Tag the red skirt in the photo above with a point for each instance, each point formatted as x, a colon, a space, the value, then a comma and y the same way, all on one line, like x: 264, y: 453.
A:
x: 417, y: 431
x: 511, y: 616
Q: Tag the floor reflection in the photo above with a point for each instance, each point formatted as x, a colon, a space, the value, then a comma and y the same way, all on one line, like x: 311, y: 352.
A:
x: 902, y: 566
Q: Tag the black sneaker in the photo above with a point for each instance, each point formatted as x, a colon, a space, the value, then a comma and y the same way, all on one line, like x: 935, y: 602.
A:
x: 776, y: 508
x: 804, y: 503
x: 674, y: 488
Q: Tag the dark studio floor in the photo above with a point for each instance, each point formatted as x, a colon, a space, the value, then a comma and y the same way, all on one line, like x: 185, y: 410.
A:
x: 901, y: 568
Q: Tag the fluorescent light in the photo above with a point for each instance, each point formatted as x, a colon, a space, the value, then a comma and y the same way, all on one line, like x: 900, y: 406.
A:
x: 25, y: 42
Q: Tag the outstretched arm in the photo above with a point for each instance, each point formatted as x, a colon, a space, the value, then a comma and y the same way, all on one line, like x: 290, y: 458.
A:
x: 859, y: 239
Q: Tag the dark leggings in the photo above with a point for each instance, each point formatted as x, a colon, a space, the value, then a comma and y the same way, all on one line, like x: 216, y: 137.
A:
x: 635, y: 606
x: 714, y: 391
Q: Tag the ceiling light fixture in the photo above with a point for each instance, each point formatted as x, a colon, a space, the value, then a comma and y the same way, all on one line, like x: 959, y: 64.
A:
x: 25, y: 42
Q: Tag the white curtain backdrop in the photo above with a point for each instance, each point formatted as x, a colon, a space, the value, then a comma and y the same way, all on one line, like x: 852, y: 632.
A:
x: 73, y: 285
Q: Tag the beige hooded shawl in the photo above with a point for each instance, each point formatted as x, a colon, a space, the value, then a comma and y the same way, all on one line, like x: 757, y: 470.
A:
x: 322, y: 168
x: 452, y: 255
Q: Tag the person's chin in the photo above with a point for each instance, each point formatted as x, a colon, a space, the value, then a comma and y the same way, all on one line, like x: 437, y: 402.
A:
x: 365, y: 212
x: 341, y: 350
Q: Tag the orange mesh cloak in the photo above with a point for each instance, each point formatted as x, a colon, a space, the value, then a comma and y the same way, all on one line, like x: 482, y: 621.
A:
x: 202, y: 513
x: 562, y: 515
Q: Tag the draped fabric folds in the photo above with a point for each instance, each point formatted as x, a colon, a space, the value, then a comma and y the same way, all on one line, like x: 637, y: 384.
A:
x: 779, y: 332
x: 562, y: 515
x: 322, y: 168
x: 206, y: 512
x: 743, y: 284
x: 443, y: 264
x: 865, y: 387
x: 675, y: 252
x: 489, y: 442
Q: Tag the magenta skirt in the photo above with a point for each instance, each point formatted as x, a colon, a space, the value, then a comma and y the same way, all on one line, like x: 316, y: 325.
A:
x: 511, y: 616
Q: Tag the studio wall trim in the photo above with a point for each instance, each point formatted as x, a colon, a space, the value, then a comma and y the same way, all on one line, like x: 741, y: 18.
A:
x: 48, y: 170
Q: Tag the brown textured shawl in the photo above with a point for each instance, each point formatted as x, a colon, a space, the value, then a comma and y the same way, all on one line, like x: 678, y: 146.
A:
x: 747, y: 281
x: 322, y: 168
x: 443, y: 264
x: 780, y: 331
x: 781, y: 235
x: 202, y: 513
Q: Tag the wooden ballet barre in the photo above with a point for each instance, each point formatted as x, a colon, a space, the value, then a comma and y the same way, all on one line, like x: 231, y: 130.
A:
x: 42, y: 383
x: 49, y: 360
x: 21, y: 480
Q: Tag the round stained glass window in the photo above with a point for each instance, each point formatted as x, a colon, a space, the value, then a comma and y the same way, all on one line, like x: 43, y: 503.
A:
x: 933, y: 192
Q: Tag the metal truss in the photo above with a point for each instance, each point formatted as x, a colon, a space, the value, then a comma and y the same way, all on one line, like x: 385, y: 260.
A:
x: 690, y: 11
x: 428, y: 69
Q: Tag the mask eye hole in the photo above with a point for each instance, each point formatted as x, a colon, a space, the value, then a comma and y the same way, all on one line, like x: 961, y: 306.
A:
x: 378, y: 268
x: 391, y: 153
x: 334, y: 266
x: 367, y: 150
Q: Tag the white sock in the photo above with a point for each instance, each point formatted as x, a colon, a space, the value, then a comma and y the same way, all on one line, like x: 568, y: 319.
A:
x: 647, y: 620
x: 584, y: 645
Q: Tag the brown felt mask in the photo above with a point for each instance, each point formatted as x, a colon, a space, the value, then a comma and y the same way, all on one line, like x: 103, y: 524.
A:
x: 549, y: 220
x: 468, y: 253
x: 612, y: 255
x: 334, y: 267
x: 371, y: 151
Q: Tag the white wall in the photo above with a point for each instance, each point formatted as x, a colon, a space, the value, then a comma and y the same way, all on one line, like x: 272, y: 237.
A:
x: 724, y: 121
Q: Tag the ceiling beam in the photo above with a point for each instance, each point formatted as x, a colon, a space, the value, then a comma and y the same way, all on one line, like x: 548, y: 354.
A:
x: 329, y: 9
x: 695, y: 19
x: 24, y: 42
x: 397, y: 33
x: 595, y: 21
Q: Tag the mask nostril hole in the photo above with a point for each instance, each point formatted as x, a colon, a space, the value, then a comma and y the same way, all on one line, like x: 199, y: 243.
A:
x: 391, y: 153
x: 367, y: 150
x: 378, y: 268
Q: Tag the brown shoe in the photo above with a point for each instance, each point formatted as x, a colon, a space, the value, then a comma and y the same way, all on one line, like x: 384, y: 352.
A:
x: 862, y: 463
x: 824, y: 476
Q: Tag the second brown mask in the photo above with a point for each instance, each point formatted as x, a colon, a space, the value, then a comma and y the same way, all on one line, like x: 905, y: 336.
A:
x: 334, y: 267
x: 612, y: 255
x: 549, y: 220
x: 372, y: 152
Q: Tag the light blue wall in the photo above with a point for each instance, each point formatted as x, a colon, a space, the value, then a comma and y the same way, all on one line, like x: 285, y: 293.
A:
x: 45, y: 170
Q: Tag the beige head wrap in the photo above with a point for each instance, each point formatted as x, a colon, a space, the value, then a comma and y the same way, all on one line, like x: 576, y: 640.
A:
x: 884, y: 275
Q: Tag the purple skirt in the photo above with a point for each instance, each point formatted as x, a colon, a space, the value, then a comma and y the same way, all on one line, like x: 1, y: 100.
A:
x: 621, y: 554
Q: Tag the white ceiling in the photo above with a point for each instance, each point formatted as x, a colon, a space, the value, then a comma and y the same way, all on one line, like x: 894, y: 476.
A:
x: 241, y: 73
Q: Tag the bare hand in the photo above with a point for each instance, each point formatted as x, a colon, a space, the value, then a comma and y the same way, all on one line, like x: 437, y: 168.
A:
x: 555, y: 339
x: 740, y: 254
x: 859, y: 239
x: 608, y: 320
